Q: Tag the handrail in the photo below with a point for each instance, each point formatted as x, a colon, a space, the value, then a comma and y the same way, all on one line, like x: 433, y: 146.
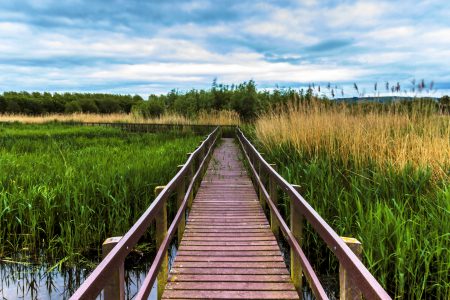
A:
x: 151, y: 275
x: 363, y: 279
x: 310, y: 275
x: 93, y: 285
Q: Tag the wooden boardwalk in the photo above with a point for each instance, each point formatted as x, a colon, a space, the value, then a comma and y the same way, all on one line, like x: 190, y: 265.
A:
x: 228, y: 250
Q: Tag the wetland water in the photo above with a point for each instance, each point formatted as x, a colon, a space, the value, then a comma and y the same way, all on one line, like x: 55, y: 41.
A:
x: 30, y: 282
x: 20, y: 281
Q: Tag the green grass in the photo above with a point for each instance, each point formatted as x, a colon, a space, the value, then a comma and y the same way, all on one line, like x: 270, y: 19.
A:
x: 402, y: 218
x: 64, y: 189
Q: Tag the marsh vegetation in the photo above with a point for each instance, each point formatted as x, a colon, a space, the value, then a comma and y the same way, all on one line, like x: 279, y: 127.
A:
x: 64, y: 189
x: 379, y: 172
x: 381, y: 176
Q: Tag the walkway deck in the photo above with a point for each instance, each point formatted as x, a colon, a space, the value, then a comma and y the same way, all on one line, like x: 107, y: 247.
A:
x: 228, y: 250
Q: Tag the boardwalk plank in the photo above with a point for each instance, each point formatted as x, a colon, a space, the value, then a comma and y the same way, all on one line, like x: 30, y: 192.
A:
x: 227, y: 243
x: 225, y: 278
x: 230, y: 286
x: 208, y: 258
x: 231, y: 271
x: 228, y: 253
x: 219, y: 264
x: 230, y: 248
x: 198, y: 294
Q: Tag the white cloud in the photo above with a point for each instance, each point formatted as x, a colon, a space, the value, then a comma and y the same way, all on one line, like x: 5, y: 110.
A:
x: 295, y: 25
x: 359, y: 14
x: 194, y: 5
x: 13, y: 29
x: 184, y: 54
x: 392, y: 34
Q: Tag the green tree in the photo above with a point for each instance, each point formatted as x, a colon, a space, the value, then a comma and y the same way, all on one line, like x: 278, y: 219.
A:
x: 88, y: 106
x: 72, y: 107
x: 12, y: 107
x: 2, y: 104
x: 154, y: 107
x: 444, y: 104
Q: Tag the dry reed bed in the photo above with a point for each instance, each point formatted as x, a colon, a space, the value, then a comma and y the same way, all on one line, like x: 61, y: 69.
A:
x: 380, y: 177
x: 384, y: 138
x: 224, y: 117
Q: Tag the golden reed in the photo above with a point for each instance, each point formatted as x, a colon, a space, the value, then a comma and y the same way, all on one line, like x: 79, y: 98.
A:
x: 386, y: 138
x: 224, y: 117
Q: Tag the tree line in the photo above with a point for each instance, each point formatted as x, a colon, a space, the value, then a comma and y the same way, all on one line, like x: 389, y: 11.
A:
x: 243, y: 98
x: 47, y: 103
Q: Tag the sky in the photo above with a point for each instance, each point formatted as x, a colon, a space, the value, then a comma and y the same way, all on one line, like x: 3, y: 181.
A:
x: 151, y: 47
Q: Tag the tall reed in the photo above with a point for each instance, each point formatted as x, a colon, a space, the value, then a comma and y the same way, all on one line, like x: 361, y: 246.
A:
x: 380, y: 177
x: 64, y: 189
x: 384, y: 138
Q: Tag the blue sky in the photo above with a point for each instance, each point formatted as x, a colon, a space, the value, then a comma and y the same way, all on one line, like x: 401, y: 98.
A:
x: 144, y: 47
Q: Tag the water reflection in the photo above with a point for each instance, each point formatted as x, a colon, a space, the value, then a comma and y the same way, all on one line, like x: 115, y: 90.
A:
x: 329, y: 282
x: 28, y: 281
x: 31, y: 282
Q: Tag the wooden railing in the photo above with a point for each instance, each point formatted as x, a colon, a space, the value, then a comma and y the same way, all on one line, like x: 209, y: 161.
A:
x: 300, y: 211
x: 190, y: 174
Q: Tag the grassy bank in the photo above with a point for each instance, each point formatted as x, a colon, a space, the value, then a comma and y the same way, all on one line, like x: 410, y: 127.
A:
x: 380, y: 177
x: 64, y: 189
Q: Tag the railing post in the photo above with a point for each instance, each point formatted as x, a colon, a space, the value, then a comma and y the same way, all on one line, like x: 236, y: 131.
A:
x: 260, y: 191
x: 115, y: 286
x: 274, y: 197
x: 189, y: 177
x: 348, y: 289
x: 200, y: 157
x: 296, y: 222
x: 181, y: 190
x: 161, y: 232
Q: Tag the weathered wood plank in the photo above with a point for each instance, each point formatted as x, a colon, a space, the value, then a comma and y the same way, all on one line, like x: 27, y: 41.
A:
x: 230, y: 286
x: 226, y: 227
x: 188, y: 294
x: 232, y: 223
x: 230, y: 248
x: 229, y: 230
x: 225, y: 278
x: 228, y: 243
x: 228, y: 238
x: 229, y: 258
x: 231, y: 271
x: 225, y: 234
x: 210, y: 217
x: 229, y: 253
x: 220, y: 264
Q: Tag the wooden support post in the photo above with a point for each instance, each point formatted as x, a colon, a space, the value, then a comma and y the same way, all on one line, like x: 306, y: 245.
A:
x: 200, y: 158
x: 115, y: 286
x: 296, y: 222
x: 274, y: 197
x: 189, y: 177
x: 260, y: 191
x: 161, y: 232
x: 181, y: 190
x: 347, y: 288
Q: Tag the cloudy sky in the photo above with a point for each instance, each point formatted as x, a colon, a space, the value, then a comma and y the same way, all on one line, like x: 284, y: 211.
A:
x: 144, y: 46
